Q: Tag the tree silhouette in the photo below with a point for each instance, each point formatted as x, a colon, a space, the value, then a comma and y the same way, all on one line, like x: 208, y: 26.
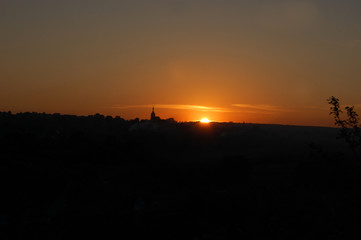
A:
x: 350, y: 127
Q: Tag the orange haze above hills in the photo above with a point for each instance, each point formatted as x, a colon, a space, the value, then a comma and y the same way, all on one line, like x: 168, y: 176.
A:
x: 241, y: 61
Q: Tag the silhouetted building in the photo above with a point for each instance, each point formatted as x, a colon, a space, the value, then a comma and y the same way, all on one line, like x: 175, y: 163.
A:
x: 153, y: 117
x: 170, y: 120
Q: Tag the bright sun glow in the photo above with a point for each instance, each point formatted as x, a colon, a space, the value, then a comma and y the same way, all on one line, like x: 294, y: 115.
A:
x: 205, y: 120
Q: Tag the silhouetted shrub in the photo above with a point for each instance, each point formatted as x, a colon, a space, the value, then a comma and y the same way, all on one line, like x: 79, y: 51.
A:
x: 350, y: 128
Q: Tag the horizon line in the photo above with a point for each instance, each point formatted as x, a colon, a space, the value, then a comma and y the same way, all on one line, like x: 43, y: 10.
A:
x: 189, y: 121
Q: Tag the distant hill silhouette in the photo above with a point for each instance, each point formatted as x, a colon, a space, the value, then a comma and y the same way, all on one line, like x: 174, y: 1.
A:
x: 102, y: 176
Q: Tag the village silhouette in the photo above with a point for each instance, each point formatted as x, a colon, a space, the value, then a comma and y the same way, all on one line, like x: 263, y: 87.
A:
x: 105, y: 177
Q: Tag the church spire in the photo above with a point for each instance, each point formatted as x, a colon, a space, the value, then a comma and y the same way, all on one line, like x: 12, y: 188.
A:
x: 152, y: 115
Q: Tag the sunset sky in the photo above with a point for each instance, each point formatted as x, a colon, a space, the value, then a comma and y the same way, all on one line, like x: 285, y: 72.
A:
x: 243, y: 61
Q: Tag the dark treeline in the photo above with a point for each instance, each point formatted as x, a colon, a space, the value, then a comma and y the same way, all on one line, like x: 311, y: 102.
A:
x: 70, y: 176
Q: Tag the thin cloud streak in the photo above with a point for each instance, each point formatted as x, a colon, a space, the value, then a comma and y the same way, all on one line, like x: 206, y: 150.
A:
x: 176, y: 106
x: 262, y: 108
x: 235, y: 108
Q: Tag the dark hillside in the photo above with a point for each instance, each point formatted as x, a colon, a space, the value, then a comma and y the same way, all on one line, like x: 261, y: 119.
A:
x: 97, y: 176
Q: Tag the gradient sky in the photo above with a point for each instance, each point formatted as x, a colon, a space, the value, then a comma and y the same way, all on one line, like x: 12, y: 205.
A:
x: 254, y: 61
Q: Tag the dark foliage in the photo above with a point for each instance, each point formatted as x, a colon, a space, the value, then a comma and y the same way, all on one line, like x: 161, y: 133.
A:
x: 350, y: 127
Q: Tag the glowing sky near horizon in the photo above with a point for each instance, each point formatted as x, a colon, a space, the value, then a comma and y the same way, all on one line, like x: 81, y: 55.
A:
x: 226, y: 60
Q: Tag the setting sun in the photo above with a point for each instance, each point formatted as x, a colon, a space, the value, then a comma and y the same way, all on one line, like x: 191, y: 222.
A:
x: 205, y: 120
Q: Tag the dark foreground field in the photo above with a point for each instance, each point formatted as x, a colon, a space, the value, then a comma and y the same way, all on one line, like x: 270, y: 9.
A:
x: 65, y: 176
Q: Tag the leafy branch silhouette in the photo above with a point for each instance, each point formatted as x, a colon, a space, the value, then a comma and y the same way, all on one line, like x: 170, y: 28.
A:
x: 350, y: 127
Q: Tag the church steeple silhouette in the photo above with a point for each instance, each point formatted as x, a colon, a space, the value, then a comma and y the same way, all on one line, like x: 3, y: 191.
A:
x: 152, y: 115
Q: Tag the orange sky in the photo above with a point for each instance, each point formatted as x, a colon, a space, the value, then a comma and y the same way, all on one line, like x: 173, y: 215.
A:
x: 253, y: 61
